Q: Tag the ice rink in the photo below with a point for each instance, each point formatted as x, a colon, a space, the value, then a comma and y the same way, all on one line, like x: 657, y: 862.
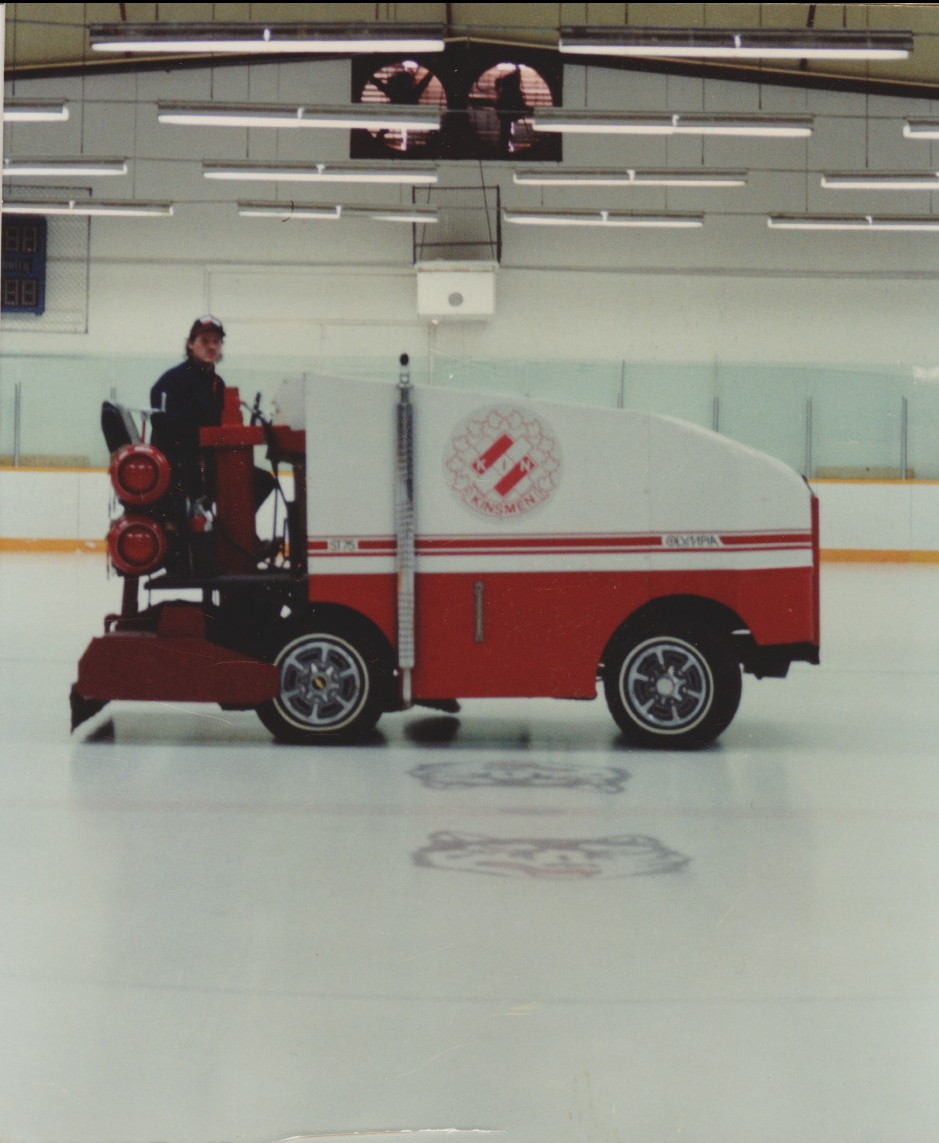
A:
x: 504, y: 923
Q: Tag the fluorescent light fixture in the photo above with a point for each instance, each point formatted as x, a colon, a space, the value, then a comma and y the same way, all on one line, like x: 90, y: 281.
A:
x: 572, y: 177
x: 92, y: 209
x: 752, y: 43
x: 364, y: 116
x: 866, y: 223
x: 623, y: 123
x: 883, y: 180
x: 59, y: 168
x: 921, y: 129
x: 604, y: 218
x: 35, y: 111
x: 319, y: 173
x: 266, y: 39
x: 414, y: 215
x: 286, y: 211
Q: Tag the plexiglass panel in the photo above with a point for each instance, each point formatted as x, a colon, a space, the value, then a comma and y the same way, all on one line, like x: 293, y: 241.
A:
x: 923, y: 430
x: 857, y: 425
x: 684, y: 391
x: 820, y: 421
x: 767, y: 408
x: 6, y: 420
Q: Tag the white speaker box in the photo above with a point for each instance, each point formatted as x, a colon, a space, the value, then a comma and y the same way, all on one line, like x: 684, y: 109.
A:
x: 462, y: 290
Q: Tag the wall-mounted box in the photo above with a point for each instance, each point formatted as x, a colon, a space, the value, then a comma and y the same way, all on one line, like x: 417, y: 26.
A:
x: 462, y: 290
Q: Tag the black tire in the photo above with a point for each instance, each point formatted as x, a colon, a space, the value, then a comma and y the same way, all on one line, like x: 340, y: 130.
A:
x: 672, y: 687
x: 333, y: 686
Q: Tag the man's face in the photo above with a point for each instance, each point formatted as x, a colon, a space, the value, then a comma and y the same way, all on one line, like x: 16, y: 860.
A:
x: 206, y: 347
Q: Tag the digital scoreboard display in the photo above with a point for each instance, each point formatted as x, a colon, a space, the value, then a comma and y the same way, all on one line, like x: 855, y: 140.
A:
x: 23, y: 271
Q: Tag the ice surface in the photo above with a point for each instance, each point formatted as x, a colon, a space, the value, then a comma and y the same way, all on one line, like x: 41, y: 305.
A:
x: 504, y: 921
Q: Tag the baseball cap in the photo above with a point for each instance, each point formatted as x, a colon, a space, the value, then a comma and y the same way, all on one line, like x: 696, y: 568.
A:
x: 206, y: 322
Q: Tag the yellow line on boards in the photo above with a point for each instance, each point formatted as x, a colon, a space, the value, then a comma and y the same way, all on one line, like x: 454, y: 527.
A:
x: 878, y: 556
x: 33, y: 469
x: 25, y: 545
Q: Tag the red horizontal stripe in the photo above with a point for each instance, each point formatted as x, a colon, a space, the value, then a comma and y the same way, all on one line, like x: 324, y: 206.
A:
x: 762, y: 539
x: 444, y: 545
x: 469, y: 543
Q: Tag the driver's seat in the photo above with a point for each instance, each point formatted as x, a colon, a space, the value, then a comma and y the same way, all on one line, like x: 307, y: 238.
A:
x: 118, y: 426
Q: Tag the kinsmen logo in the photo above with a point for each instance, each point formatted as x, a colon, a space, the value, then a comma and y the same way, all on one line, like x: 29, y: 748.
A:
x: 503, y: 462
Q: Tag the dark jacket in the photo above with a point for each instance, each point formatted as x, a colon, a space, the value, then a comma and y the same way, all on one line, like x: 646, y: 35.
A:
x: 189, y: 398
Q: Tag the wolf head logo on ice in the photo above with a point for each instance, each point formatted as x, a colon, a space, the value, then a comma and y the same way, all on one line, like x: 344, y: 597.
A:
x: 550, y: 859
x: 529, y: 775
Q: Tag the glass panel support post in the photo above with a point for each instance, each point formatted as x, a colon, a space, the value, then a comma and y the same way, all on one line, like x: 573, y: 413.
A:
x: 808, y: 467
x: 904, y: 438
x: 17, y: 421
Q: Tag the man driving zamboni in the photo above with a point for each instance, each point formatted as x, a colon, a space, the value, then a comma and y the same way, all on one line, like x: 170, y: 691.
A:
x: 187, y: 398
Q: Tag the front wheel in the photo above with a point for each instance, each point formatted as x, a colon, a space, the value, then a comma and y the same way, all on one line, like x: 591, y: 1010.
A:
x: 672, y: 688
x: 331, y: 688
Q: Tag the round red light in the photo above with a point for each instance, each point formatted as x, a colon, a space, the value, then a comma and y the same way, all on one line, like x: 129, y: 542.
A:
x: 137, y: 545
x: 140, y: 474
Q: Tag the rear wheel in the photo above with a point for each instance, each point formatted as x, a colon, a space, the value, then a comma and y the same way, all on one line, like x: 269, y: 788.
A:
x: 673, y: 688
x: 332, y: 686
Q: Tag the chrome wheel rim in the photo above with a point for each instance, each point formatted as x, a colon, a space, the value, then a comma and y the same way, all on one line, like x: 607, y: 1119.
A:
x: 323, y: 683
x: 666, y: 685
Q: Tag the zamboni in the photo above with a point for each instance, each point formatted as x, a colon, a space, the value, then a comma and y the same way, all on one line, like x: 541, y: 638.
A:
x: 442, y: 545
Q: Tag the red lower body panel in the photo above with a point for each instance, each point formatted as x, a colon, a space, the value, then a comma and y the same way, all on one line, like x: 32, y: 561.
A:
x: 527, y: 634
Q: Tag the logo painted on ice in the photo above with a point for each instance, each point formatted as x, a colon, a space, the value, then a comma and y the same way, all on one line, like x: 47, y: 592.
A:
x: 550, y: 859
x: 503, y: 462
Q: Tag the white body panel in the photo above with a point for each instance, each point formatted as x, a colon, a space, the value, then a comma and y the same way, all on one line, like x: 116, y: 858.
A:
x: 642, y: 487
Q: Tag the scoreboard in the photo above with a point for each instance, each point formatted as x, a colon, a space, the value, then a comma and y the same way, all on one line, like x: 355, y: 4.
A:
x: 23, y: 272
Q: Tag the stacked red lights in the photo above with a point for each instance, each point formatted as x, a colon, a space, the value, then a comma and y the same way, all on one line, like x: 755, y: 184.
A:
x: 140, y: 476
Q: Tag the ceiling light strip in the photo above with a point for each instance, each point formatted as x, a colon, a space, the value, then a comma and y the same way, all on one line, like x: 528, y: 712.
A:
x: 557, y: 119
x: 266, y: 39
x: 742, y: 44
x: 859, y: 223
x: 91, y: 209
x: 630, y: 177
x: 921, y: 129
x: 285, y: 212
x: 320, y: 173
x: 604, y: 218
x: 882, y: 180
x: 369, y: 117
x: 416, y: 218
x: 59, y: 168
x: 35, y: 111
